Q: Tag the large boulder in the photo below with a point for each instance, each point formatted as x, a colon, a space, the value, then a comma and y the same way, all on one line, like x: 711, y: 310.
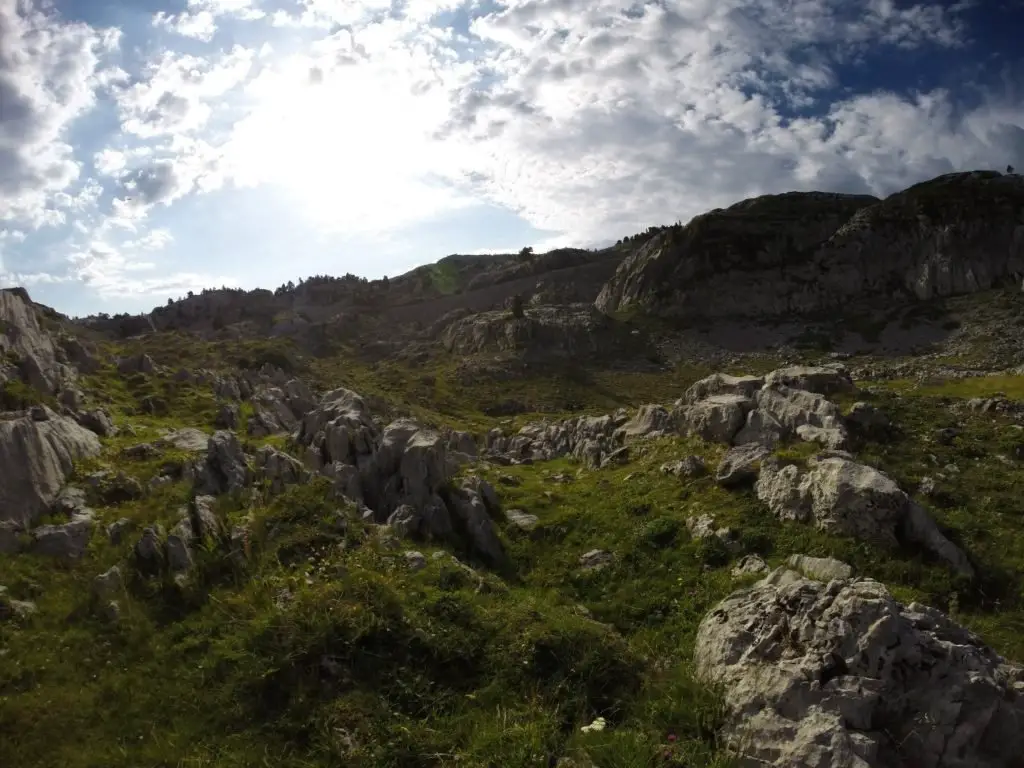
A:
x: 473, y: 508
x: 741, y: 465
x: 409, y: 467
x: 794, y: 408
x: 824, y: 380
x: 841, y: 496
x: 187, y: 439
x: 649, y: 421
x: 277, y: 469
x: 844, y: 676
x: 68, y: 540
x: 37, y: 453
x: 721, y: 384
x: 761, y: 428
x: 716, y: 418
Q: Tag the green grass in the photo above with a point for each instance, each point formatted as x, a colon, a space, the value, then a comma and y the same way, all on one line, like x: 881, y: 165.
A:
x: 322, y: 647
x: 16, y: 396
x: 444, y: 277
x: 976, y: 386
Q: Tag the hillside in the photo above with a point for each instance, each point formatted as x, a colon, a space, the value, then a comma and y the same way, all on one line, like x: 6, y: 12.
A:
x: 808, y: 252
x: 713, y: 497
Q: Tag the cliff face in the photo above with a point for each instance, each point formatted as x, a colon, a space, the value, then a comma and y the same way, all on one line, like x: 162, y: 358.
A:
x: 806, y: 252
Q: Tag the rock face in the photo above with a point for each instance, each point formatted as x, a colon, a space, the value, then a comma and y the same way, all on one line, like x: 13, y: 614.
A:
x: 806, y: 252
x: 340, y: 429
x: 841, y: 496
x: 843, y: 676
x: 225, y: 469
x: 543, y: 333
x: 37, y: 455
x: 740, y: 465
x: 26, y: 351
x: 277, y: 469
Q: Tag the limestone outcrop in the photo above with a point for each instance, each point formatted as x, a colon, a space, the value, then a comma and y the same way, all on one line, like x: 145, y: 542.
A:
x: 804, y: 252
x: 839, y: 495
x: 38, y: 450
x: 841, y: 675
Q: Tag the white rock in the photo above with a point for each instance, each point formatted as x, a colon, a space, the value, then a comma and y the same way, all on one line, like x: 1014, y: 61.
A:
x: 36, y: 458
x: 820, y: 568
x: 842, y: 496
x: 715, y: 419
x: 843, y: 676
x: 825, y: 380
x: 721, y: 384
x: 524, y: 521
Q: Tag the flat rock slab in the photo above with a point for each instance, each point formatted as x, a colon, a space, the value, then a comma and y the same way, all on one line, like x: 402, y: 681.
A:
x: 186, y: 439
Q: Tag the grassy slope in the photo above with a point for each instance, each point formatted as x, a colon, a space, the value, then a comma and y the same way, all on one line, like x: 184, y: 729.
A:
x: 370, y: 663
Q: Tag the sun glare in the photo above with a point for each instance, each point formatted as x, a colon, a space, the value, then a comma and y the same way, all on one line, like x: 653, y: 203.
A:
x: 352, y: 150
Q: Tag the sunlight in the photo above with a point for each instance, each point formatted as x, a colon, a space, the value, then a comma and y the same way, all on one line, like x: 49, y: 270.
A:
x: 352, y: 151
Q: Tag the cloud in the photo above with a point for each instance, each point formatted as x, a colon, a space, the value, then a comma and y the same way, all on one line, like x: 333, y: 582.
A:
x: 173, y: 95
x: 49, y: 73
x: 199, y: 20
x: 590, y: 119
x: 199, y: 25
x: 593, y: 122
x: 345, y: 131
x: 110, y: 264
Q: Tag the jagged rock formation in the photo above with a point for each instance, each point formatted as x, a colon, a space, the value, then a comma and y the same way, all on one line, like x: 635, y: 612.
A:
x: 224, y: 468
x: 843, y: 676
x: 37, y: 453
x: 806, y: 252
x: 741, y: 410
x: 27, y: 352
x: 402, y: 473
x: 589, y: 439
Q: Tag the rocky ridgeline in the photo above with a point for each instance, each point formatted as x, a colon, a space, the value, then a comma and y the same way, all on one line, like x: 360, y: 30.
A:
x: 807, y: 252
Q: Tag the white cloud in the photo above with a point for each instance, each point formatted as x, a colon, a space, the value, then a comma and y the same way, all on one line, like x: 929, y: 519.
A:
x: 199, y: 20
x: 200, y: 25
x: 593, y: 123
x: 175, y: 92
x: 154, y: 240
x: 49, y: 72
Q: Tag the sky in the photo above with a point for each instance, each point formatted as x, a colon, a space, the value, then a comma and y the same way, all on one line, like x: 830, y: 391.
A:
x: 152, y: 147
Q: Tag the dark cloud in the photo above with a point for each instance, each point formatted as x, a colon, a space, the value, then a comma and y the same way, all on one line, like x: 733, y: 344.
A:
x: 160, y: 182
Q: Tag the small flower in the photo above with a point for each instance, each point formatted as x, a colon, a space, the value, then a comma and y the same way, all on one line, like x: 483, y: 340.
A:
x: 597, y: 725
x: 672, y: 738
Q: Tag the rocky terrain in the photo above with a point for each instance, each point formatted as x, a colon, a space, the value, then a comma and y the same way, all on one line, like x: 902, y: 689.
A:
x: 740, y: 492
